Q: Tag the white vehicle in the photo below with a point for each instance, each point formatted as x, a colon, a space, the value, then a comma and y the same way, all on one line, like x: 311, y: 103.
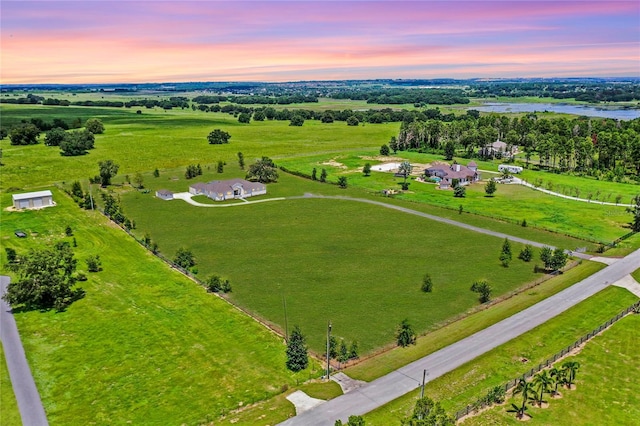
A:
x: 509, y: 168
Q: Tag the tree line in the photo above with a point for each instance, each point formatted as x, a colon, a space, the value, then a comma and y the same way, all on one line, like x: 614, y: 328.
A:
x: 601, y: 147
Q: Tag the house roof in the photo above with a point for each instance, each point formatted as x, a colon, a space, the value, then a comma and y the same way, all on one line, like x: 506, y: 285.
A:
x: 451, y: 173
x: 29, y: 195
x: 222, y: 186
x: 164, y: 192
x: 472, y: 164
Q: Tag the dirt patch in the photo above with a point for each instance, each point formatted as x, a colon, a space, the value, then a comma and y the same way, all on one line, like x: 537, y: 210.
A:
x: 334, y: 163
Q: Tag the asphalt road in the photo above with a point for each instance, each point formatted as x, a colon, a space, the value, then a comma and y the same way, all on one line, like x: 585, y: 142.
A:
x: 409, y: 377
x: 29, y: 403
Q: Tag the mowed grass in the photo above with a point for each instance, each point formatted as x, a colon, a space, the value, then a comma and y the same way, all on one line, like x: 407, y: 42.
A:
x: 608, y: 389
x: 512, y: 203
x: 9, y: 413
x: 331, y: 259
x: 158, y: 139
x: 146, y: 345
x: 471, y: 381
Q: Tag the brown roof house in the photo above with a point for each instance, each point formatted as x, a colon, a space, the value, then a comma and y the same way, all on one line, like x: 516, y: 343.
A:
x: 220, y: 190
x: 447, y: 173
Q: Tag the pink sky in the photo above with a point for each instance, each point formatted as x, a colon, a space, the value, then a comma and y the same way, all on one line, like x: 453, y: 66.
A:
x: 161, y: 41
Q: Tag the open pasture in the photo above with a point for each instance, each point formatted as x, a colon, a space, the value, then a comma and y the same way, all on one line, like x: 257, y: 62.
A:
x: 513, y: 203
x: 145, y: 345
x: 331, y: 259
x: 158, y: 139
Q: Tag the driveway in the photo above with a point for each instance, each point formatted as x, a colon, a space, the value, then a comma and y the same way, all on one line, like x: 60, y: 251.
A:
x: 29, y: 403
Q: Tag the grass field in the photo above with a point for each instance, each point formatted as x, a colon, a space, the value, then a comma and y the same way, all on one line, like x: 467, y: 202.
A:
x: 471, y: 381
x: 332, y: 260
x: 512, y: 203
x: 9, y: 414
x: 146, y: 345
x: 607, y: 383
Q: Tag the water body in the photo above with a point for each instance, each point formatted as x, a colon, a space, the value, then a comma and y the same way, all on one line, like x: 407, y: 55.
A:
x: 586, y: 110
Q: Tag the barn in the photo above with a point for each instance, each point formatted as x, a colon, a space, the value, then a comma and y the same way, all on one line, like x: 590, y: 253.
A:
x: 33, y: 200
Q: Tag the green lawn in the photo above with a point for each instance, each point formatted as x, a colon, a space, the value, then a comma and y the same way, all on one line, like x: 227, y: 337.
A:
x: 607, y: 383
x: 471, y: 381
x: 146, y: 345
x: 512, y: 203
x: 9, y: 414
x: 331, y: 259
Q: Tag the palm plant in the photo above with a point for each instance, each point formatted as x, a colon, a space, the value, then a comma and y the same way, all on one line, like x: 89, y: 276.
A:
x: 526, y: 389
x: 570, y: 368
x: 542, y: 383
x: 558, y: 376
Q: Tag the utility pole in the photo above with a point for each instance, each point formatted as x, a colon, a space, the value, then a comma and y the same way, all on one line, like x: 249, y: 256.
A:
x: 328, y: 340
x: 424, y: 377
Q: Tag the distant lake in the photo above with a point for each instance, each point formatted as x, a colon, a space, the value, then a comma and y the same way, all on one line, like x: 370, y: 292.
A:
x: 586, y: 110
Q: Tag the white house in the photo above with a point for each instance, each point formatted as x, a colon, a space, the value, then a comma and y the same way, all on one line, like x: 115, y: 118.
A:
x: 220, y: 190
x: 33, y: 200
x: 164, y: 194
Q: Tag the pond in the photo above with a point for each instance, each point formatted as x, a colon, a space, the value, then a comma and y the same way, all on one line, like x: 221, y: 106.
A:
x: 585, y: 110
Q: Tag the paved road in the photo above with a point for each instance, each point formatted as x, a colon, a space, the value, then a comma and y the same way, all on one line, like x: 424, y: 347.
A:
x: 444, y: 220
x: 29, y: 403
x: 409, y: 377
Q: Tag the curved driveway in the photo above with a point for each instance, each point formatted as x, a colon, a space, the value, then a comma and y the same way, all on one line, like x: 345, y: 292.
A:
x: 29, y: 403
x: 409, y: 377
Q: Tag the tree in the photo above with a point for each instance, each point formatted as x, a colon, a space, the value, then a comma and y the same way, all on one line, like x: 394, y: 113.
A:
x: 505, y: 255
x: 635, y: 213
x: 546, y: 256
x: 343, y: 352
x: 327, y: 117
x: 483, y: 288
x: 184, y: 258
x: 558, y: 376
x: 94, y: 264
x: 24, y: 134
x: 526, y: 254
x: 490, y: 188
x: 220, y: 166
x: 323, y: 175
x: 404, y: 169
x: 542, y: 383
x: 459, y: 191
x: 405, y: 335
x: 526, y: 389
x: 76, y: 190
x: 296, y: 120
x: 449, y: 150
x: 366, y: 170
x: 427, y: 283
x: 314, y: 173
x: 12, y: 256
x: 241, y: 160
x: 108, y: 169
x: 156, y: 173
x: 342, y: 182
x: 45, y: 279
x: 138, y: 180
x: 76, y: 142
x: 263, y: 170
x: 68, y: 231
x: 353, y: 421
x: 333, y: 347
x: 216, y: 284
x: 570, y: 368
x: 297, y: 357
x: 384, y: 150
x: 427, y: 412
x: 558, y: 260
x: 54, y: 137
x: 218, y: 137
x: 94, y: 125
x: 244, y: 117
x: 353, y: 121
x: 353, y: 350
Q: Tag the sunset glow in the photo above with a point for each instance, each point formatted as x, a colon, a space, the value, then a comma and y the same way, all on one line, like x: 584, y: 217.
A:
x: 160, y: 41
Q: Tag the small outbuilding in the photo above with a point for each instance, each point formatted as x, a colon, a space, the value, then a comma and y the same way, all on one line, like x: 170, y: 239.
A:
x: 33, y: 200
x: 164, y: 194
